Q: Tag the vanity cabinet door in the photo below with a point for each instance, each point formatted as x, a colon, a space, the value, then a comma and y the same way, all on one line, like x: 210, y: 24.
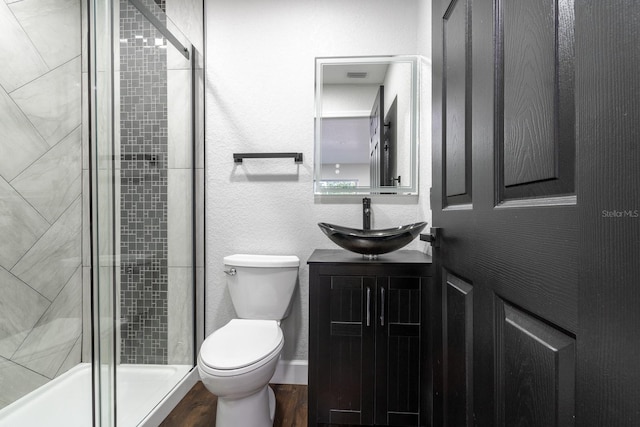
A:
x: 399, y: 351
x: 346, y: 359
x: 370, y: 340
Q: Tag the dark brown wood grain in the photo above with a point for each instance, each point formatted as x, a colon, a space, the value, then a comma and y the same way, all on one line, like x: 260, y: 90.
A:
x: 198, y: 407
x: 291, y: 405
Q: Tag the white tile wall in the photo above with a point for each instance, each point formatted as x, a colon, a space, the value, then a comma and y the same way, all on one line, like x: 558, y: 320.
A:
x: 179, y: 123
x: 22, y: 381
x: 20, y: 227
x: 54, y: 258
x: 15, y: 43
x: 185, y: 19
x: 179, y: 211
x: 53, y: 102
x: 52, y: 182
x: 40, y: 205
x: 16, y: 321
x: 180, y: 313
x: 55, y: 335
x: 53, y: 26
x: 20, y: 144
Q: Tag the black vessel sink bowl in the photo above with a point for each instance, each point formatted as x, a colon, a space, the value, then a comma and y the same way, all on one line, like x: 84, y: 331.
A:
x: 372, y: 242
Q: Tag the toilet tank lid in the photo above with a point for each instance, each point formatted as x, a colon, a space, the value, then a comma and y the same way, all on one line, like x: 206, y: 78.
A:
x: 247, y: 260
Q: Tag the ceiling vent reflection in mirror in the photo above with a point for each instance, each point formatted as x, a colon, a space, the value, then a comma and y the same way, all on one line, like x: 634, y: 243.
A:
x: 367, y: 122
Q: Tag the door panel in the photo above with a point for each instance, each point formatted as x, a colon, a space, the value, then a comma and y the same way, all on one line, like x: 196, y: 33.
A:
x: 536, y: 371
x: 389, y: 168
x: 529, y: 89
x: 457, y: 132
x: 376, y: 135
x: 458, y: 351
x: 535, y: 117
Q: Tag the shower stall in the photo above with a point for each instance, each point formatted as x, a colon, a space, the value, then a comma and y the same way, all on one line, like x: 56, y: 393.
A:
x: 101, y: 209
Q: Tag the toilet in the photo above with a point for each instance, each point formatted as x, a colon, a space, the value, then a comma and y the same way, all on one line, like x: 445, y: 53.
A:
x: 237, y: 361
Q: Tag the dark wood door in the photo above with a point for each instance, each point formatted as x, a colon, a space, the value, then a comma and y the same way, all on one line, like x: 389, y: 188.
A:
x: 376, y: 135
x: 535, y: 186
x: 389, y: 148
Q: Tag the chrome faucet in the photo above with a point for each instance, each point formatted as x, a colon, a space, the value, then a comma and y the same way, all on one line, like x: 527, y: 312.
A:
x: 366, y: 213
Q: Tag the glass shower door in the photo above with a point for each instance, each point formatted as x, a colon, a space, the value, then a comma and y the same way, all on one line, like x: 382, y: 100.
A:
x: 102, y: 203
x: 148, y: 167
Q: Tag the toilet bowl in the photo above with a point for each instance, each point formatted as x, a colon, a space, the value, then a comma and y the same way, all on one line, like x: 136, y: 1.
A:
x: 237, y: 361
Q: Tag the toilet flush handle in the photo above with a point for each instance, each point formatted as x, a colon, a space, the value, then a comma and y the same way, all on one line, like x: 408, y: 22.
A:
x: 231, y: 272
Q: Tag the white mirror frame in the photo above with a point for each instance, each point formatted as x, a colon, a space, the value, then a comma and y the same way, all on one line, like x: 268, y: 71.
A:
x: 401, y: 190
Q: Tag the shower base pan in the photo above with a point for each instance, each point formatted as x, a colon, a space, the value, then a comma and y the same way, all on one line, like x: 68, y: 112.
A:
x: 66, y: 400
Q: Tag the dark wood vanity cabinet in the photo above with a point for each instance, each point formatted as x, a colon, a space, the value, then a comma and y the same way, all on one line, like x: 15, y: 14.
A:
x: 369, y: 341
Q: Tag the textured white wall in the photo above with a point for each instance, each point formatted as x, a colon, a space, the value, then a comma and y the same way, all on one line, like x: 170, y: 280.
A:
x: 260, y: 98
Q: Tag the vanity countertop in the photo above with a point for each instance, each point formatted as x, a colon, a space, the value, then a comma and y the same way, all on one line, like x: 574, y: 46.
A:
x: 341, y: 256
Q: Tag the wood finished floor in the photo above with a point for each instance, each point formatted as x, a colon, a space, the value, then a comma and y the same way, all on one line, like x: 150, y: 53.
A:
x: 198, y: 408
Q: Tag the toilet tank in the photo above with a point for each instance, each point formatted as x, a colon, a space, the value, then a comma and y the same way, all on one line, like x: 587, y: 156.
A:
x: 262, y: 285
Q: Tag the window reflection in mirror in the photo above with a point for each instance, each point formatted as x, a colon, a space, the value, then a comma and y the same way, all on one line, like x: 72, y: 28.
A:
x: 366, y: 125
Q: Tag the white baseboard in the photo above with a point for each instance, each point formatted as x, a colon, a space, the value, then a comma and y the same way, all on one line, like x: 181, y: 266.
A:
x: 291, y: 372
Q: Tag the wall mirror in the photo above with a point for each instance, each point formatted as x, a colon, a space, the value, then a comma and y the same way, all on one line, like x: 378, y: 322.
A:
x: 366, y: 125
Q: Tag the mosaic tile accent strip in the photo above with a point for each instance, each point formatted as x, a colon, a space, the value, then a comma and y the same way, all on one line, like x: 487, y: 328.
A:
x: 143, y: 186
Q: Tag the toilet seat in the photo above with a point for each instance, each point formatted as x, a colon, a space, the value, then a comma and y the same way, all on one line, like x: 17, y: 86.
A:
x: 241, y: 346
